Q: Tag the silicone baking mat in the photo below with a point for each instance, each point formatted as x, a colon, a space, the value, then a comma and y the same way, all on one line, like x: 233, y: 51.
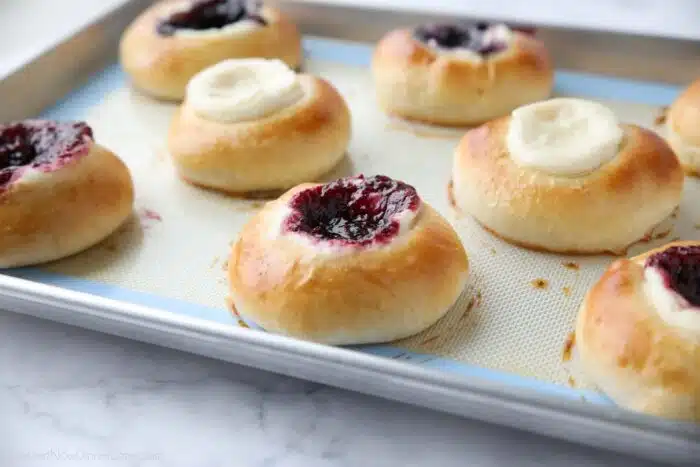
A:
x: 513, y: 320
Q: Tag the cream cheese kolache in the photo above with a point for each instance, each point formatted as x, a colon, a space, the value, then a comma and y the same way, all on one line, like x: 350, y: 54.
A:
x: 254, y: 125
x: 174, y: 40
x: 354, y: 261
x: 459, y: 74
x: 683, y: 128
x: 638, y: 332
x: 565, y: 176
x: 60, y: 191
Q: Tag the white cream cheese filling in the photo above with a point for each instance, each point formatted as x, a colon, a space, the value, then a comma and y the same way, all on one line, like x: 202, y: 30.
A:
x: 563, y: 136
x: 239, y: 90
x: 671, y: 307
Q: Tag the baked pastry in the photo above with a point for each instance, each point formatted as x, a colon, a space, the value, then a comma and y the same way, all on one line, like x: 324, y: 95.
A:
x: 564, y: 176
x: 174, y: 40
x: 60, y: 192
x: 459, y: 74
x: 683, y: 128
x: 252, y: 125
x: 638, y: 332
x: 355, y: 261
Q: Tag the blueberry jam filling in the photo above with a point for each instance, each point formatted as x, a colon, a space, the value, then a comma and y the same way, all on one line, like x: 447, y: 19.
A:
x: 211, y: 14
x: 476, y: 37
x: 680, y: 268
x: 353, y: 210
x: 39, y: 144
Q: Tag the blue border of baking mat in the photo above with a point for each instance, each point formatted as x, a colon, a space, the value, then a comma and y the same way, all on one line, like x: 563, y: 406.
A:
x: 582, y: 84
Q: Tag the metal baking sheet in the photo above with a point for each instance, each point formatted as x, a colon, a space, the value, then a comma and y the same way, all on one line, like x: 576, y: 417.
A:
x: 497, y: 356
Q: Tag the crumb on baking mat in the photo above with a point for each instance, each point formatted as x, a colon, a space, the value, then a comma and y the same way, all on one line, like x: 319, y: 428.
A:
x: 232, y: 308
x: 569, y: 347
x: 661, y: 116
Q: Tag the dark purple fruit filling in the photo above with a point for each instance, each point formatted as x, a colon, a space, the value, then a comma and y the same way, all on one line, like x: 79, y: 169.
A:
x: 211, y: 14
x: 680, y: 268
x: 474, y: 37
x: 39, y: 144
x: 353, y: 210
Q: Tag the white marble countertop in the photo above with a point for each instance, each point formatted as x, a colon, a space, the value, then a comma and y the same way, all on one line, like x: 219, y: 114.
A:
x: 73, y: 397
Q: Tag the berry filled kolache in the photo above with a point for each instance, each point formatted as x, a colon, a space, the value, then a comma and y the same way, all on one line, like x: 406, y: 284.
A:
x: 174, y: 40
x: 638, y: 332
x: 60, y: 191
x: 452, y: 74
x: 354, y: 261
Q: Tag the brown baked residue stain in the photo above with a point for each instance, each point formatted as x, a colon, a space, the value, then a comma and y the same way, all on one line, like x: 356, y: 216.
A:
x: 493, y: 251
x: 470, y: 306
x: 430, y: 340
x: 477, y: 300
x: 661, y: 117
x: 649, y: 237
x: 224, y: 266
x: 571, y: 381
x: 450, y: 194
x: 566, y: 290
x: 111, y: 244
x: 571, y: 265
x: 540, y: 284
x: 569, y: 347
x: 234, y: 312
x: 249, y: 206
x: 663, y: 234
x: 213, y: 262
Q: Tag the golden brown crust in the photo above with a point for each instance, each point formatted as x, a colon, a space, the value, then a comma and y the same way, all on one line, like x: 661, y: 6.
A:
x: 684, y: 114
x: 683, y: 128
x: 297, y: 144
x: 418, y: 83
x: 162, y: 66
x: 634, y: 356
x: 47, y: 216
x: 585, y: 214
x: 372, y: 295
